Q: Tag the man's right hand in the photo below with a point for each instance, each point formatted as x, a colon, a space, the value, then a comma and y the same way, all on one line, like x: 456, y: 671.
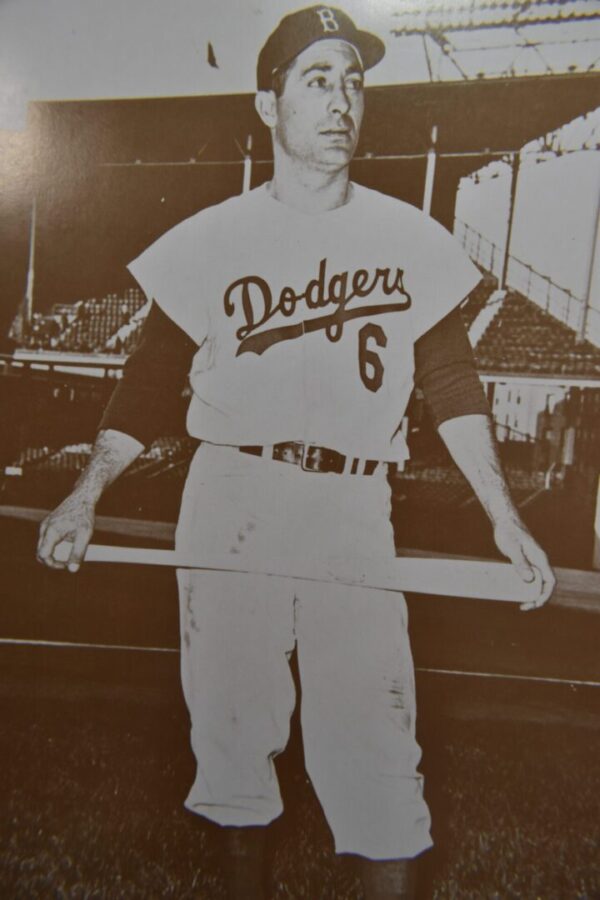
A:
x: 72, y: 521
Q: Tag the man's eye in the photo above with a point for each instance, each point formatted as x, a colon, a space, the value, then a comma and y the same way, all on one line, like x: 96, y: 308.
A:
x: 354, y: 84
x: 318, y: 81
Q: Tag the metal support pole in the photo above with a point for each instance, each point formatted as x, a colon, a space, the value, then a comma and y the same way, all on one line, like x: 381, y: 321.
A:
x: 430, y: 172
x: 515, y: 163
x: 596, y: 559
x: 247, y: 165
x: 594, y: 260
x: 28, y: 304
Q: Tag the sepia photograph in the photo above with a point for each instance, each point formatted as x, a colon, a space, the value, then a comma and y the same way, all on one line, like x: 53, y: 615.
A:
x: 300, y: 450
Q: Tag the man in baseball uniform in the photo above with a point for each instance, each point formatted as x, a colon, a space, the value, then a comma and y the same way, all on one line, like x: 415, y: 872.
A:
x: 302, y: 313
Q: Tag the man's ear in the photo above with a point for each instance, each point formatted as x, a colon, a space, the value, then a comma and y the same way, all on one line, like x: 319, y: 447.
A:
x: 266, y: 106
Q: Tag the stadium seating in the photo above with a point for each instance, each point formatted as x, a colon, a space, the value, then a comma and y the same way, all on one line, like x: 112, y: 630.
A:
x: 525, y: 338
x: 88, y: 326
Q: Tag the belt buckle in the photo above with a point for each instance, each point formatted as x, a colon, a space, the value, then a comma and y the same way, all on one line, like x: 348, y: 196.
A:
x: 311, y: 458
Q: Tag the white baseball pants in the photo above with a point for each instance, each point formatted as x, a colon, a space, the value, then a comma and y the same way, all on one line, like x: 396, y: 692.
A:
x: 356, y: 673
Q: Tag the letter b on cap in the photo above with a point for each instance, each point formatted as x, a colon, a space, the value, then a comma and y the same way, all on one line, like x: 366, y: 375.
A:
x: 328, y: 19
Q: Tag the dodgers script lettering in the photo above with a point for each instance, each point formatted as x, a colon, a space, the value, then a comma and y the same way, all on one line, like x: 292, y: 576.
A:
x: 253, y: 298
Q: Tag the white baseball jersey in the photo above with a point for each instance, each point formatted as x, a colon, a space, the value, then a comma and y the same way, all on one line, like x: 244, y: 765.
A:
x: 305, y: 323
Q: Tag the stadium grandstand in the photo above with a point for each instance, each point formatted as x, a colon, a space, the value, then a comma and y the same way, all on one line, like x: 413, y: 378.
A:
x: 524, y: 338
x: 108, y: 325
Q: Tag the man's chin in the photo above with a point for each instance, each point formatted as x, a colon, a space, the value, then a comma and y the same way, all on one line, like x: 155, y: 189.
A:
x: 336, y: 156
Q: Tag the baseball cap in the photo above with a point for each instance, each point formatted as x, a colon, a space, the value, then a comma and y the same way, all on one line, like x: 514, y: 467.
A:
x: 300, y: 29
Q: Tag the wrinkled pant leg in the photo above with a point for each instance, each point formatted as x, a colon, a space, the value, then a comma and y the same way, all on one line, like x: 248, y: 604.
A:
x: 236, y: 635
x: 358, y: 719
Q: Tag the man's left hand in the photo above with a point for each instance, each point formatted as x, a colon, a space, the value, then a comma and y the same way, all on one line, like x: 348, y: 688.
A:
x: 514, y: 541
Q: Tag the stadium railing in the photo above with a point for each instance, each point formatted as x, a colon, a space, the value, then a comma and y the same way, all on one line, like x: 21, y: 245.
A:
x: 542, y: 289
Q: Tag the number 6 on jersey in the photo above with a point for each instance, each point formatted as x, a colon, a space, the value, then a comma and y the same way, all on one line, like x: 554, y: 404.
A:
x: 369, y: 363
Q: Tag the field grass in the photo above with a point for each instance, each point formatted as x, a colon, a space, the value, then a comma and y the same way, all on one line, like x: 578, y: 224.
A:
x: 93, y: 779
x: 521, y: 814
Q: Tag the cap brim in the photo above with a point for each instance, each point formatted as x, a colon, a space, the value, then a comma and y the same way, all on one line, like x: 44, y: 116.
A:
x: 370, y: 47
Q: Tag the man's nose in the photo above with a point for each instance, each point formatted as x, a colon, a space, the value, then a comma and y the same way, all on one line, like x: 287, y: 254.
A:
x: 340, y: 101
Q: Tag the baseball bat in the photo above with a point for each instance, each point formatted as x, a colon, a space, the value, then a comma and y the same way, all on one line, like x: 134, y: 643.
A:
x: 479, y: 579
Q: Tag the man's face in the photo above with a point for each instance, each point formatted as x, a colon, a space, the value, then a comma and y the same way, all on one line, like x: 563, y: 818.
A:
x: 319, y: 113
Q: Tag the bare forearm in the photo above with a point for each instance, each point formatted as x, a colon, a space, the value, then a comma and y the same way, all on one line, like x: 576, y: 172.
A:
x: 473, y: 448
x: 73, y: 520
x: 112, y: 453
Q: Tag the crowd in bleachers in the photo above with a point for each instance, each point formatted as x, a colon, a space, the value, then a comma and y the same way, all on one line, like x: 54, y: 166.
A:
x: 525, y: 338
x: 88, y: 326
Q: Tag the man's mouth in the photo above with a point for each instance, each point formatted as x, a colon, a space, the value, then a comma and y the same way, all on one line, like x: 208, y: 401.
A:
x: 342, y: 133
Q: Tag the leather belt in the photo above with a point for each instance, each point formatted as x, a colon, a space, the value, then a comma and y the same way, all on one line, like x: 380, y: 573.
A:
x: 314, y: 459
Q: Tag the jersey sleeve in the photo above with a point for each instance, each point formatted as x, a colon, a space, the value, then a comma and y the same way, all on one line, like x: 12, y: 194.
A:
x: 169, y: 272
x: 445, y: 371
x: 148, y: 400
x: 440, y: 274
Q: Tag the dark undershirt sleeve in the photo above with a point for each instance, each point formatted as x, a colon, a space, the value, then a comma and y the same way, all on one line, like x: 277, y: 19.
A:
x: 445, y: 371
x: 147, y: 402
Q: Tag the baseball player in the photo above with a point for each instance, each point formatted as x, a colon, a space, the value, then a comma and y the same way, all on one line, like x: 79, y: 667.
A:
x: 302, y: 313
